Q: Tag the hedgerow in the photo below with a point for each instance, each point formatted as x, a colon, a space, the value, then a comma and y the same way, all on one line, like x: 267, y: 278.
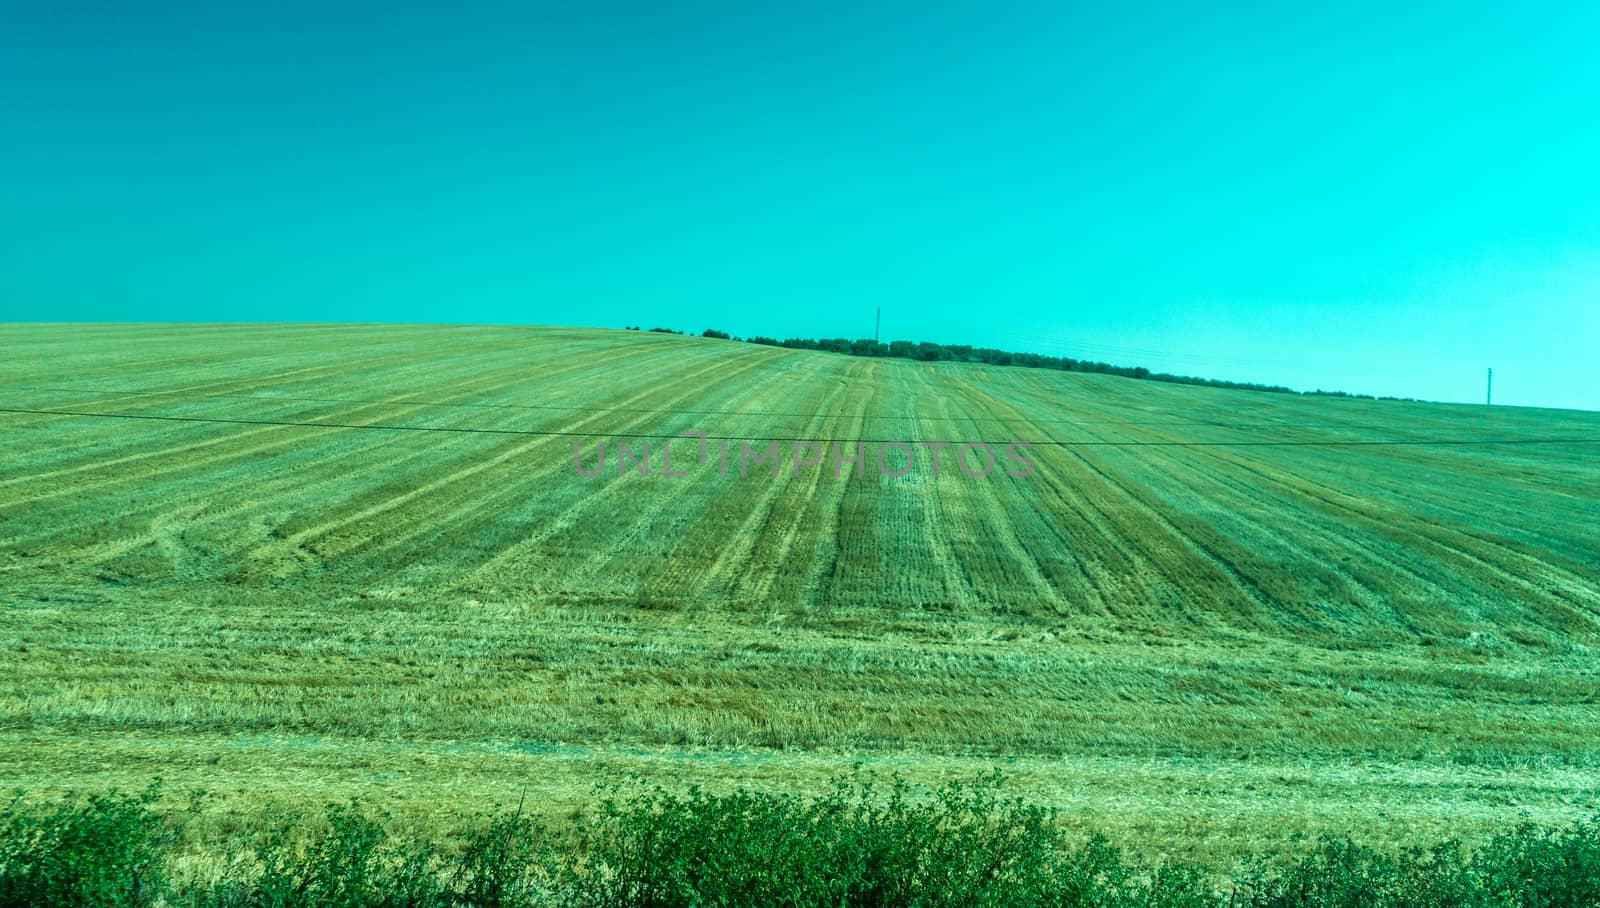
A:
x: 967, y: 846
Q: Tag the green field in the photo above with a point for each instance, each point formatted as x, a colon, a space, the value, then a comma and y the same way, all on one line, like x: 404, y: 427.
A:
x: 1209, y: 619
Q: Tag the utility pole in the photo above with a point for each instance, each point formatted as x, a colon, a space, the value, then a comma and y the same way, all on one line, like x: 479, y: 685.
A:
x: 1488, y: 391
x: 877, y: 322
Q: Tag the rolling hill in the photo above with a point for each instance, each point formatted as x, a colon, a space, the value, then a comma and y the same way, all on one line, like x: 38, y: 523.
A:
x: 271, y: 559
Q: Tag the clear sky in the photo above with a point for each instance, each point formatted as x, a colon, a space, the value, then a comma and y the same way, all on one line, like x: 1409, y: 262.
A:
x: 1374, y: 197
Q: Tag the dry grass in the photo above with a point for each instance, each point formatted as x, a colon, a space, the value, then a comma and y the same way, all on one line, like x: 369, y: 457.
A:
x: 1202, y: 647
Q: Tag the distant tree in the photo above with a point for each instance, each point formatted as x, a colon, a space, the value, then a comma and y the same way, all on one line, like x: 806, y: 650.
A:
x: 931, y: 352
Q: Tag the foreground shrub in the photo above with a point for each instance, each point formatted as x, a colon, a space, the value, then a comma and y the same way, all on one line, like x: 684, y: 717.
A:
x: 1343, y: 874
x: 1528, y: 867
x: 352, y: 861
x: 104, y: 851
x: 968, y: 847
x: 1544, y: 868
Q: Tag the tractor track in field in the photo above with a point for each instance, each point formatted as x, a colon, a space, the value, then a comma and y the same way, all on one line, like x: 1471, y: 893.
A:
x: 443, y: 515
x: 1435, y: 538
x: 1119, y: 537
x: 1145, y: 514
x: 232, y: 434
x: 247, y: 457
x: 767, y: 535
x: 271, y: 483
x: 686, y: 578
x: 571, y: 515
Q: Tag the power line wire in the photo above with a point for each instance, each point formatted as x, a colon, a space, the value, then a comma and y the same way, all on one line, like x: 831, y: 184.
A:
x: 869, y: 441
x: 1062, y: 420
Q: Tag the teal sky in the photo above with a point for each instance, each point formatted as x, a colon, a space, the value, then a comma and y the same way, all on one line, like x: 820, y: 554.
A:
x: 1370, y: 197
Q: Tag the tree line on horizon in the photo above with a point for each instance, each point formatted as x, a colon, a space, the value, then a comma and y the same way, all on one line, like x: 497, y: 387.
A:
x: 925, y: 351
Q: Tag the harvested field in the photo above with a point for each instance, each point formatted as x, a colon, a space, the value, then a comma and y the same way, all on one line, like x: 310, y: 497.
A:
x: 280, y: 561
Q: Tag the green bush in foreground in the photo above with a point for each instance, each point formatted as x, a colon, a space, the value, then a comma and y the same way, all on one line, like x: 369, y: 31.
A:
x: 967, y: 846
x: 104, y: 851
